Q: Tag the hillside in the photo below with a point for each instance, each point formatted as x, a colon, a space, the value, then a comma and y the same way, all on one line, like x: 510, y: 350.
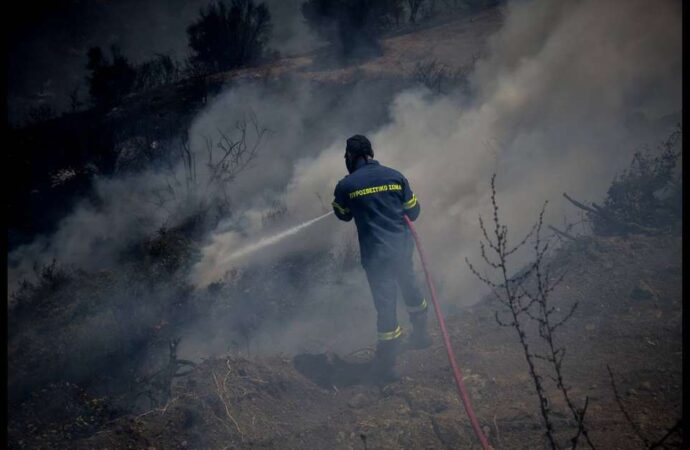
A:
x: 629, y: 294
x: 91, y: 143
x: 278, y: 348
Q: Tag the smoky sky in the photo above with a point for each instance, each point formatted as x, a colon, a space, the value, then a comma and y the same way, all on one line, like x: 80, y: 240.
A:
x: 48, y: 42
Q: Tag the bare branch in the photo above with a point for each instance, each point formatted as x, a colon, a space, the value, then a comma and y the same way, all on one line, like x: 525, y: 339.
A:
x: 621, y: 407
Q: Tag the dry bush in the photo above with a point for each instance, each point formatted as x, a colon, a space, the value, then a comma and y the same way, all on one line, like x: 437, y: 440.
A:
x: 195, y: 191
x: 158, y: 71
x: 526, y: 300
x: 32, y: 297
x: 645, y: 198
x: 438, y: 77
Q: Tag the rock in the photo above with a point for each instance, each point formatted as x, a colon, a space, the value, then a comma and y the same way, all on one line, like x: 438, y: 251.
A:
x: 590, y: 327
x: 358, y: 401
x: 642, y: 291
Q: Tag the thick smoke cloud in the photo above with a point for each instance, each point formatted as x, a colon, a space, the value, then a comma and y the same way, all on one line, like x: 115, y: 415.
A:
x: 568, y: 91
x: 301, y: 119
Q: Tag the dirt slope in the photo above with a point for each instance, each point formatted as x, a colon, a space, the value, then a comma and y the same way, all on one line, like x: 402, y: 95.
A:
x: 628, y: 317
x: 454, y: 41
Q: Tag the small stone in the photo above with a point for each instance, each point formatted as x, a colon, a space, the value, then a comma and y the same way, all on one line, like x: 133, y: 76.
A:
x: 358, y: 400
x: 642, y: 291
x: 439, y: 407
x: 590, y: 327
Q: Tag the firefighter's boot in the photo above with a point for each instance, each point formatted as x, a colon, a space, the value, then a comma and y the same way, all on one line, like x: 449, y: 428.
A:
x: 383, y: 369
x: 419, y: 338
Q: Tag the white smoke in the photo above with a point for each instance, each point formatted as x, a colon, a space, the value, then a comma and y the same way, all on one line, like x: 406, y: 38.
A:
x: 567, y: 92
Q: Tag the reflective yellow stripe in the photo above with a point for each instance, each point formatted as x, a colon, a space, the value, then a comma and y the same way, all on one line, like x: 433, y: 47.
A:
x: 340, y: 209
x: 411, y: 203
x: 421, y: 307
x: 390, y: 335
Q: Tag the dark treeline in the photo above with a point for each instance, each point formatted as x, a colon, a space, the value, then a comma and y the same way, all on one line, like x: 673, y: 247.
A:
x: 125, y: 98
x: 225, y: 35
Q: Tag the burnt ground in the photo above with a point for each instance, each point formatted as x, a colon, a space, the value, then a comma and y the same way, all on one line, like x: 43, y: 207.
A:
x: 629, y: 317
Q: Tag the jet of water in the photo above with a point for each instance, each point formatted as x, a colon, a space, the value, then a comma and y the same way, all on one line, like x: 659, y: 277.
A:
x: 217, y: 256
x: 270, y: 240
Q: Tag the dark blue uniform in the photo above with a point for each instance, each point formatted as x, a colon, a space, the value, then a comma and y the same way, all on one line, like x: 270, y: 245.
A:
x: 377, y: 197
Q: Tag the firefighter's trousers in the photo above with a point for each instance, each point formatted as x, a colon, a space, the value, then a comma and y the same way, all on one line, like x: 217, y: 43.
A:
x: 385, y: 275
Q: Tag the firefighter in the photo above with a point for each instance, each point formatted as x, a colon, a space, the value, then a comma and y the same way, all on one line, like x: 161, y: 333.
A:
x: 377, y: 196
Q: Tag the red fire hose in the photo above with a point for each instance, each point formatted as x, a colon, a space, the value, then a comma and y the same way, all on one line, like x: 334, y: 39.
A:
x: 446, y: 341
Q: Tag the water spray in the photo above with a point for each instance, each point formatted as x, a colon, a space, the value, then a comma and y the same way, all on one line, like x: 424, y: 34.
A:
x: 270, y: 240
x: 219, y: 254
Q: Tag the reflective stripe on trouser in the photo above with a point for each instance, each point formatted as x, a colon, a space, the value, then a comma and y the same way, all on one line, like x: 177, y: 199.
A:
x: 390, y: 335
x: 421, y: 308
x: 385, y: 276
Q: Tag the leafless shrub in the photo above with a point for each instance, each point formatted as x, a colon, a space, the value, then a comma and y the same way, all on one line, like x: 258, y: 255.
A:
x: 438, y: 77
x: 277, y: 211
x: 197, y: 181
x: 431, y: 74
x: 526, y: 297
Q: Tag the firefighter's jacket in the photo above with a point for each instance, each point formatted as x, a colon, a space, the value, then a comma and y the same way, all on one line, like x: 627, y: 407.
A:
x: 377, y: 197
